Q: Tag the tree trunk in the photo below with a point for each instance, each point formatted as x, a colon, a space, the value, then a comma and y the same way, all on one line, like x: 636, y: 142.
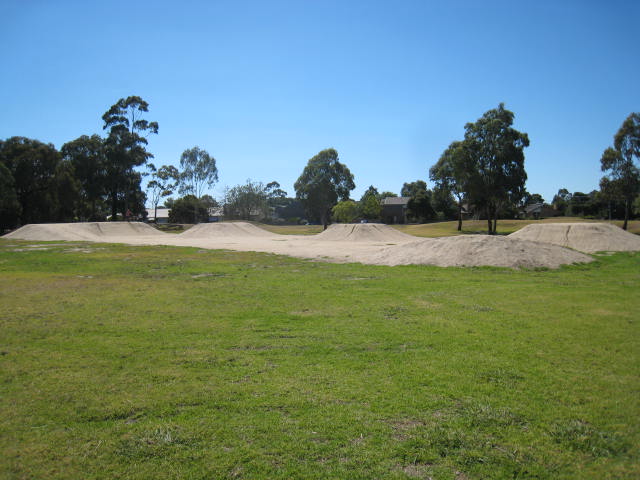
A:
x: 489, y: 224
x: 495, y: 223
x: 114, y: 208
x: 323, y: 220
x: 626, y: 214
x: 460, y: 218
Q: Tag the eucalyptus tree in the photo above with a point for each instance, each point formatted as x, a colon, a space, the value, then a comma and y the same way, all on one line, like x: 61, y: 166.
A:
x: 449, y: 175
x: 163, y: 182
x: 32, y: 168
x: 370, y: 204
x: 620, y: 163
x: 199, y: 171
x: 493, y: 163
x: 87, y: 155
x: 125, y: 148
x: 323, y: 182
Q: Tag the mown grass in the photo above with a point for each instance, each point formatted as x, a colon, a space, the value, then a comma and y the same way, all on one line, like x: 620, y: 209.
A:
x: 165, y: 362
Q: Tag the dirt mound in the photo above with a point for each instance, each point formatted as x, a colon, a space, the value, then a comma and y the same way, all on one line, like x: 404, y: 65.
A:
x: 225, y: 229
x: 91, y: 231
x: 363, y: 232
x: 478, y: 250
x: 584, y: 237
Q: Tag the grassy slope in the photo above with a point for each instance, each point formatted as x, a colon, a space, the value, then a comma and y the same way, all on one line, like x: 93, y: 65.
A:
x: 164, y: 362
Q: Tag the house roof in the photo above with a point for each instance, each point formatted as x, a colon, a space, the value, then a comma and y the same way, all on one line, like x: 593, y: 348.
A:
x: 395, y: 200
x: 533, y: 208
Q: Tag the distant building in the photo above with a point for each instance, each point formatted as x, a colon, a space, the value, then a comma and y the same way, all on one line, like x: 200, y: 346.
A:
x: 538, y: 210
x: 162, y: 215
x: 216, y: 214
x: 394, y: 209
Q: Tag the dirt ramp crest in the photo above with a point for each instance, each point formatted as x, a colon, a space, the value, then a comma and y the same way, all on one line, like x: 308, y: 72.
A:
x: 226, y: 229
x: 478, y: 250
x: 584, y: 237
x: 91, y: 231
x: 363, y: 232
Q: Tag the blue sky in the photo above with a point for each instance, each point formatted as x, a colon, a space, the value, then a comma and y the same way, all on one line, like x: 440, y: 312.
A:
x: 263, y: 86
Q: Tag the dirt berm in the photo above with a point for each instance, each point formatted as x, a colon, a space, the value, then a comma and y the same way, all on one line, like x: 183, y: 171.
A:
x: 584, y: 237
x: 363, y: 232
x: 91, y: 231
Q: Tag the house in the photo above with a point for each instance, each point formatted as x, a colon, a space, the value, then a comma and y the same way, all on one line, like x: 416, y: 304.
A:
x: 216, y: 214
x: 161, y: 217
x: 537, y: 211
x: 394, y: 209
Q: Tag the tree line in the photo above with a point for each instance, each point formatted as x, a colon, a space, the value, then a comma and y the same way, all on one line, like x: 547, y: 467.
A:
x: 96, y: 178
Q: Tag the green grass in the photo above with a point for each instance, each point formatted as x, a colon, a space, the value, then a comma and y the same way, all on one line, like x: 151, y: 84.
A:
x: 165, y: 362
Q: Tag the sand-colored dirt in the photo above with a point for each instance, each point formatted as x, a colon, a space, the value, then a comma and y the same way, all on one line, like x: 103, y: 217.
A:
x: 363, y: 232
x: 226, y: 229
x: 584, y: 237
x: 362, y: 243
x: 91, y: 231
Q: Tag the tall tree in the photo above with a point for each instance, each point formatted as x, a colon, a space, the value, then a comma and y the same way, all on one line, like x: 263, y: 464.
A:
x: 413, y: 188
x: 620, y: 162
x: 162, y: 184
x: 370, y: 206
x: 494, y: 162
x: 322, y: 183
x: 32, y: 165
x: 88, y: 157
x: 126, y: 150
x: 449, y: 174
x: 247, y: 202
x: 198, y: 171
x: 419, y: 207
x: 10, y: 208
x: 345, y: 211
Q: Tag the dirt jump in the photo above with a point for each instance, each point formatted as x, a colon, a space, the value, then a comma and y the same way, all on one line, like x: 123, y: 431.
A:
x: 535, y: 246
x: 584, y: 237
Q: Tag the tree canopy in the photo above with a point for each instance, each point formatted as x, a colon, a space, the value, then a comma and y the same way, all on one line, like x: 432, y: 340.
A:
x: 487, y: 167
x: 199, y: 171
x: 619, y: 162
x: 126, y: 149
x: 323, y: 182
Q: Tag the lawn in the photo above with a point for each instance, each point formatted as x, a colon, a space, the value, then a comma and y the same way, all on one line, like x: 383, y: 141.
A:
x: 166, y: 362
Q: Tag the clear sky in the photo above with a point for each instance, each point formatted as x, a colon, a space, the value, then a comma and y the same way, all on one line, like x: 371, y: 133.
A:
x: 265, y: 85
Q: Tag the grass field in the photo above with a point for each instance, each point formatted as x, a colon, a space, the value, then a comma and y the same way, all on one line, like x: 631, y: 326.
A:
x: 166, y: 362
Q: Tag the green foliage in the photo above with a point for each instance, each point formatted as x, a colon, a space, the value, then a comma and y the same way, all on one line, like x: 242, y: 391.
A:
x: 188, y: 209
x: 370, y: 206
x: 32, y: 166
x: 346, y: 211
x: 414, y: 188
x: 10, y: 208
x: 125, y: 149
x: 249, y: 201
x: 419, y: 208
x: 494, y: 162
x: 163, y: 182
x: 87, y: 155
x: 323, y: 182
x: 199, y: 171
x: 164, y: 362
x: 620, y: 162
